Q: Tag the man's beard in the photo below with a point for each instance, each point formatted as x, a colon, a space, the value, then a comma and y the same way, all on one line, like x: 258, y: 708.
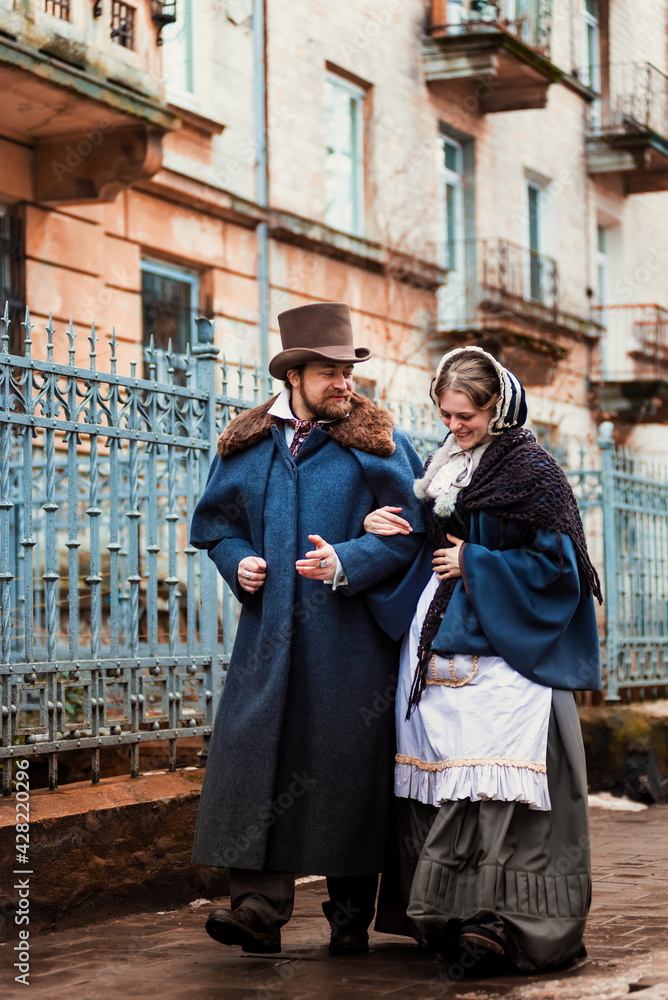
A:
x: 328, y: 409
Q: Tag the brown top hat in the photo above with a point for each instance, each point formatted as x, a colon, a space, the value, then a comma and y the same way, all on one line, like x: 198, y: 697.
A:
x: 320, y: 331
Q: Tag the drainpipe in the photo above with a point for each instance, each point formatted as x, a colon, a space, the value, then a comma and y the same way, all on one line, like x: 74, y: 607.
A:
x: 260, y: 118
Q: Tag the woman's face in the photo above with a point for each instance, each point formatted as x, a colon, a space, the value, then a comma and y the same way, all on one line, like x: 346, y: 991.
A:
x: 466, y: 421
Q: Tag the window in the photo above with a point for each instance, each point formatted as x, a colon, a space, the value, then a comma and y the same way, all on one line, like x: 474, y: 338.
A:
x: 123, y: 24
x: 169, y: 305
x: 344, y: 168
x: 523, y: 16
x: 452, y: 202
x: 533, y: 201
x: 601, y: 264
x: 450, y: 166
x: 546, y: 434
x: 592, y: 47
x: 12, y: 274
x: 365, y: 387
x: 59, y: 8
x: 178, y: 64
x: 540, y: 275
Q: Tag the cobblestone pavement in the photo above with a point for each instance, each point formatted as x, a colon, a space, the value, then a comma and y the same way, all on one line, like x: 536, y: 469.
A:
x: 168, y: 955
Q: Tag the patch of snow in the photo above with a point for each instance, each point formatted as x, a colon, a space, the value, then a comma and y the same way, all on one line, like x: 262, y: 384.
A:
x: 605, y: 800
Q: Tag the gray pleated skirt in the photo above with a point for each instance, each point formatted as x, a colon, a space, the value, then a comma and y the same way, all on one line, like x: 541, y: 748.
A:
x: 522, y: 873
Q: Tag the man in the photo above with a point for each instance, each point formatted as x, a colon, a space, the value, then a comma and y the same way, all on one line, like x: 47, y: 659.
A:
x: 299, y: 774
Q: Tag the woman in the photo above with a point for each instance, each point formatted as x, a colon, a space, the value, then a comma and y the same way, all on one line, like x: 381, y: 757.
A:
x: 490, y: 774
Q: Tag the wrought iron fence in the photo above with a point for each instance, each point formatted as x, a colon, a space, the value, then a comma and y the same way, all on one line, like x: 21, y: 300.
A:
x: 114, y: 631
x: 530, y: 21
x: 635, y: 516
x: 109, y: 623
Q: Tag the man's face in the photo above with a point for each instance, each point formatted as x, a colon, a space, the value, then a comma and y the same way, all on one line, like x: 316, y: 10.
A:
x: 324, y: 389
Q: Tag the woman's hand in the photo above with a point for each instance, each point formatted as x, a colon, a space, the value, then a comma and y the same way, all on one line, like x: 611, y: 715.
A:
x: 386, y: 521
x: 311, y: 566
x: 446, y: 561
x: 251, y: 573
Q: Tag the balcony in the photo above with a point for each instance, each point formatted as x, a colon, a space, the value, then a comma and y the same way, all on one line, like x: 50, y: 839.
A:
x: 512, y: 306
x: 627, y: 134
x: 632, y: 382
x: 81, y: 84
x: 499, y: 52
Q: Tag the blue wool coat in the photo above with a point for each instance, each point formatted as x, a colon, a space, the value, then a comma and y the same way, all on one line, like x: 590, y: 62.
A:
x: 299, y: 773
x: 525, y: 603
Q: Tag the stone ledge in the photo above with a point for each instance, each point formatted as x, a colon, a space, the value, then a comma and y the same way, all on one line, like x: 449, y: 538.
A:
x: 97, y: 851
x: 627, y: 749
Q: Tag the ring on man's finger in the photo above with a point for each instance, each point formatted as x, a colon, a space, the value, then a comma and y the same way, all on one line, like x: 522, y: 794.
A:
x: 247, y: 575
x: 323, y: 563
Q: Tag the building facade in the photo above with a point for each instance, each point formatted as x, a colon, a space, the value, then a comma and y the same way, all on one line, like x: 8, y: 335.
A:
x: 458, y: 171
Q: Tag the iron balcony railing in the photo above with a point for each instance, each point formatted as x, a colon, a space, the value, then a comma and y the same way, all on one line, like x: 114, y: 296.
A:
x: 635, y: 346
x: 529, y: 21
x: 511, y: 272
x: 633, y: 97
x: 490, y: 277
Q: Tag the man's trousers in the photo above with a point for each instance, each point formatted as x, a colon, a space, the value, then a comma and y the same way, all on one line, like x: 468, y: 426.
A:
x: 350, y: 908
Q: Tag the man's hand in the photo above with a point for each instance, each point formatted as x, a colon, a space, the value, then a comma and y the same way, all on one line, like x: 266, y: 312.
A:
x: 446, y: 561
x: 251, y: 573
x: 311, y: 565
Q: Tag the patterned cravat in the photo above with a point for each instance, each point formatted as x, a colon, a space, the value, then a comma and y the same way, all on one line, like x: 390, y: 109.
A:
x: 302, y: 431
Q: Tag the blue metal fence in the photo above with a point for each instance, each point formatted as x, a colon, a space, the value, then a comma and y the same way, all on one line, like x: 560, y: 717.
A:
x: 635, y: 517
x: 110, y: 630
x: 113, y: 630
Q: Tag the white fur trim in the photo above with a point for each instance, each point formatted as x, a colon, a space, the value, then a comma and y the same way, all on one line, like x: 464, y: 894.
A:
x: 445, y: 500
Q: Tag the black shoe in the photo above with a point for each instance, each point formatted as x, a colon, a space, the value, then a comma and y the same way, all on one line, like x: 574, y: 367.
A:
x: 480, y: 938
x: 346, y: 942
x: 346, y: 939
x: 482, y: 953
x: 245, y: 927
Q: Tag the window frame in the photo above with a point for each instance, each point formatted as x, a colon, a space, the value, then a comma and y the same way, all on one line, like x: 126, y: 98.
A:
x: 13, y: 269
x: 356, y: 94
x: 601, y: 263
x: 179, y: 95
x: 454, y: 180
x: 591, y: 42
x: 185, y: 275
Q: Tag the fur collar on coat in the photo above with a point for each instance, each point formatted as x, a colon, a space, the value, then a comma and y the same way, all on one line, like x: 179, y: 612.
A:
x: 366, y: 427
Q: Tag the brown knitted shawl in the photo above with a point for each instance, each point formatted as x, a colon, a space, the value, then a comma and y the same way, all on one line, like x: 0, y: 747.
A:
x: 516, y: 480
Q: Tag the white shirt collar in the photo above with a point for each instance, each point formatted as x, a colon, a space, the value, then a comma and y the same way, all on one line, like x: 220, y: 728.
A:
x: 281, y: 406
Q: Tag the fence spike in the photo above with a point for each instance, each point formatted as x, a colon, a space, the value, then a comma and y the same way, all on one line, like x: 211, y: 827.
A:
x: 71, y: 336
x: 169, y: 358
x: 49, y: 338
x: 28, y: 328
x: 4, y: 343
x: 112, y: 358
x: 92, y: 354
x: 150, y: 356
